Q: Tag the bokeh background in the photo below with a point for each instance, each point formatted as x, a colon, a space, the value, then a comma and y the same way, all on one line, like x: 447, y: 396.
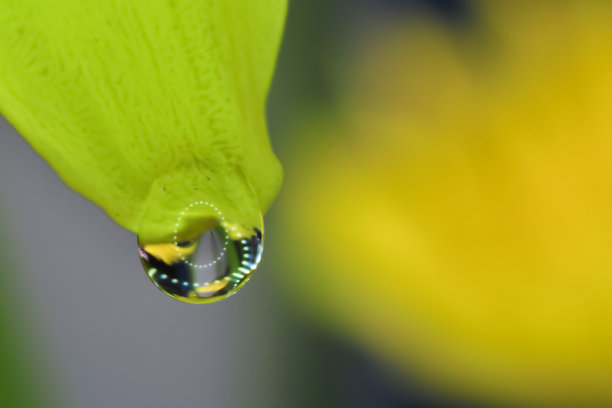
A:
x: 442, y: 238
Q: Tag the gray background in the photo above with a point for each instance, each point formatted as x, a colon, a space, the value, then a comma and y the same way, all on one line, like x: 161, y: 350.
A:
x: 104, y: 335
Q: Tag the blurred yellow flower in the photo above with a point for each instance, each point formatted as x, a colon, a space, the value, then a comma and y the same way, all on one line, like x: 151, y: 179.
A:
x: 460, y: 222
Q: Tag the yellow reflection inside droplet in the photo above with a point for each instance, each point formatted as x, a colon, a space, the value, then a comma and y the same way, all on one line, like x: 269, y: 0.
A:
x: 170, y: 253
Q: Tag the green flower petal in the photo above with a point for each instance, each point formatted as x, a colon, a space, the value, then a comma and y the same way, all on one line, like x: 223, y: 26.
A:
x: 146, y: 106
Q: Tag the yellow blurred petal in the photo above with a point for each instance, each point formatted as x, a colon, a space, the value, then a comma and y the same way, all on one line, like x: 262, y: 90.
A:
x: 463, y: 227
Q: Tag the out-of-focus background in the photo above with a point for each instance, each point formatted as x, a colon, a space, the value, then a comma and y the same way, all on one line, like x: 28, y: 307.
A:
x: 442, y: 239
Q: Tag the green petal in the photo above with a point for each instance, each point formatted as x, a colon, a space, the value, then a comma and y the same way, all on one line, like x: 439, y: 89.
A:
x: 146, y: 106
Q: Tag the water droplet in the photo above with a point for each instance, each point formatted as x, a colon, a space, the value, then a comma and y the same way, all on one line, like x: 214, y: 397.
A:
x: 206, y: 269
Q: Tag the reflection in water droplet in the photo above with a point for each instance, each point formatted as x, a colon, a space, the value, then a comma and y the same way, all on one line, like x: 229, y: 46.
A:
x: 209, y: 268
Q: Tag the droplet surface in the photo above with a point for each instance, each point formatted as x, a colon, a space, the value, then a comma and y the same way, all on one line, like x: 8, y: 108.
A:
x: 206, y: 269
